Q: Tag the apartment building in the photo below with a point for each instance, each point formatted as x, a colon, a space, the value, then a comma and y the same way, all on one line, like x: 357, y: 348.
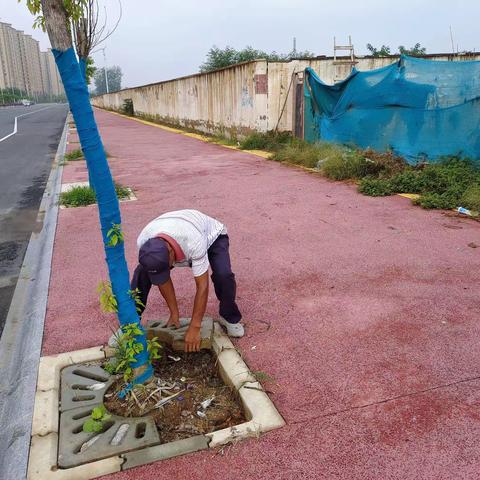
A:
x: 24, y: 67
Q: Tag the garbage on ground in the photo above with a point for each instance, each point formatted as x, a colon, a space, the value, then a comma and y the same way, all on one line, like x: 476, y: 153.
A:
x: 464, y: 211
x: 206, y: 403
x: 95, y: 386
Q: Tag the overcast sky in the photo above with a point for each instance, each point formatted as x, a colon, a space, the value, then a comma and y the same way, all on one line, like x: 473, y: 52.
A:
x: 158, y: 40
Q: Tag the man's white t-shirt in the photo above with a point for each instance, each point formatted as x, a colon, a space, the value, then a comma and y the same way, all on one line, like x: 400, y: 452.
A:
x: 192, y: 230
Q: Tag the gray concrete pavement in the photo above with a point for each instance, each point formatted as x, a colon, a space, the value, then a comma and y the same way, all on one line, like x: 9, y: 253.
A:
x: 25, y: 162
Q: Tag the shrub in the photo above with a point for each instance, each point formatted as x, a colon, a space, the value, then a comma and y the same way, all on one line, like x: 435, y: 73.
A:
x: 82, y: 196
x: 347, y: 164
x: 375, y: 187
x: 471, y: 198
x: 387, y: 163
x: 435, y: 200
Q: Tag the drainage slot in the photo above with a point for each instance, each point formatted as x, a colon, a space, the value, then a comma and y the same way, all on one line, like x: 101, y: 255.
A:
x: 140, y: 430
x: 80, y: 387
x: 84, y: 414
x: 82, y: 398
x: 154, y: 324
x: 90, y: 375
x: 77, y: 429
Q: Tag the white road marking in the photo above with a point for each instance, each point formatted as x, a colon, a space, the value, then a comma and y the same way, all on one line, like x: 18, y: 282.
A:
x: 15, y: 123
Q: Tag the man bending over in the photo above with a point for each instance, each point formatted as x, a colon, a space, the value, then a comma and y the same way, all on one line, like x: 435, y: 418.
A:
x: 188, y: 238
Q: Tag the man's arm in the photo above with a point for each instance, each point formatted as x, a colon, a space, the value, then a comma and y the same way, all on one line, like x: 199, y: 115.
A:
x: 192, y: 337
x: 168, y: 293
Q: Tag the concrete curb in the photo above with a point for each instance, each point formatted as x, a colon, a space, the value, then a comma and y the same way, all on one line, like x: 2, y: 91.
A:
x: 20, y: 344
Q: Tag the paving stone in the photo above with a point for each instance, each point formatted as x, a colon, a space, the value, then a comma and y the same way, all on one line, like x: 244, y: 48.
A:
x: 175, y: 336
x: 162, y: 452
x: 142, y: 433
x: 81, y: 385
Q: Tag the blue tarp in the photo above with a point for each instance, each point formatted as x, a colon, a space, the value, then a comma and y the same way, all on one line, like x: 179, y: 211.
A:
x: 419, y: 109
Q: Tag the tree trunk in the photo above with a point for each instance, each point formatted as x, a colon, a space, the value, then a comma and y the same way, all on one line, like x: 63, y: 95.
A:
x: 57, y: 24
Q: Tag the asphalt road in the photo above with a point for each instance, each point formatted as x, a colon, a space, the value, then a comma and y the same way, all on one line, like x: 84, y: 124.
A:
x: 25, y: 162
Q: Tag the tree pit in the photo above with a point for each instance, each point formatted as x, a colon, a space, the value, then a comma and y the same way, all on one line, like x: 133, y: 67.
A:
x: 186, y: 398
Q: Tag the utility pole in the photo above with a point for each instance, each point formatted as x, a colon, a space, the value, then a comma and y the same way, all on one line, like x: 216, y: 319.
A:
x: 294, y: 46
x: 105, y: 69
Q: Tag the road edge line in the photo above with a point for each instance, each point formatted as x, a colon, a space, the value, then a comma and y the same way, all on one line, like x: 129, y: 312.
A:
x: 21, y: 341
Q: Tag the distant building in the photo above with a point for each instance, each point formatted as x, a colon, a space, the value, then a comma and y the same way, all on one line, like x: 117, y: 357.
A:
x: 24, y: 67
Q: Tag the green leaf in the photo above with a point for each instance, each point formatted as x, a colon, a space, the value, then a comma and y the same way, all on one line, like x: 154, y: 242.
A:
x: 97, y: 413
x: 90, y: 425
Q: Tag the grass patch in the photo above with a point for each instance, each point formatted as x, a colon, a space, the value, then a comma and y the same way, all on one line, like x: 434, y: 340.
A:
x: 82, y: 196
x: 270, y: 141
x: 76, y: 154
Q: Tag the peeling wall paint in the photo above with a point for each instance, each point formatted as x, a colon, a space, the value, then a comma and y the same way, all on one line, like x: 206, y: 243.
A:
x: 234, y: 101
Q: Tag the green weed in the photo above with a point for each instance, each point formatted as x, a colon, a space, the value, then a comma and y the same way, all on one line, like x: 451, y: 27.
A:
x: 471, y: 198
x: 96, y: 421
x: 270, y: 141
x: 449, y: 184
x: 76, y: 154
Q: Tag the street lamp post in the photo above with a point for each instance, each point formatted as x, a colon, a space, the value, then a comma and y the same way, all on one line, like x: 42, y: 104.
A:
x: 105, y: 69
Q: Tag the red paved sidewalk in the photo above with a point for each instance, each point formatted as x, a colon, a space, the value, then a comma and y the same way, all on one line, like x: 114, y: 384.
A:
x: 365, y: 310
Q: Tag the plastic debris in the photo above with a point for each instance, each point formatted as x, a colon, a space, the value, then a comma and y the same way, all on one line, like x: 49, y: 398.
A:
x: 120, y: 435
x: 464, y: 211
x: 201, y: 414
x: 96, y: 386
x: 175, y: 359
x: 206, y: 403
x: 254, y: 347
x: 183, y: 379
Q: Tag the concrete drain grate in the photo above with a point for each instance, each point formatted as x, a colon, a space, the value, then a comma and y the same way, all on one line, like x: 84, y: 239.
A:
x: 83, y: 386
x: 120, y: 435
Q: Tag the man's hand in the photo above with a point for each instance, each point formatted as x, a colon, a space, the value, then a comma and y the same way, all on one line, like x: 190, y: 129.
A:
x: 174, y: 320
x: 192, y: 339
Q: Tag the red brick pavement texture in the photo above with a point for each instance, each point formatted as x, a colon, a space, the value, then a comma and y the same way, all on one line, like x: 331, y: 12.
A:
x: 364, y: 310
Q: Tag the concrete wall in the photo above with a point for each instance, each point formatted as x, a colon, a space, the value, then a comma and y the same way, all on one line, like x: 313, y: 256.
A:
x: 234, y: 101
x: 228, y: 101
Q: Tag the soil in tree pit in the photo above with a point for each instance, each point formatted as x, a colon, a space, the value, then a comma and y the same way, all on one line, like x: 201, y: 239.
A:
x: 193, y: 379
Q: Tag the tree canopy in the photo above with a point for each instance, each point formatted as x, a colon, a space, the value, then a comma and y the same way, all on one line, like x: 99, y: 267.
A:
x: 114, y: 75
x: 385, y: 50
x: 221, y: 58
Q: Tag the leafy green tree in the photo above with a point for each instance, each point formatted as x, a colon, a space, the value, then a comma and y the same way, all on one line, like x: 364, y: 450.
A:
x: 114, y: 75
x: 221, y: 58
x: 90, y: 70
x: 383, y: 51
x: 416, y: 50
x: 56, y: 16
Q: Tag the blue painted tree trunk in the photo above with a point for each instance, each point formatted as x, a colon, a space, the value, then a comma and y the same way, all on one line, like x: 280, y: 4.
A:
x: 82, y: 63
x: 108, y: 207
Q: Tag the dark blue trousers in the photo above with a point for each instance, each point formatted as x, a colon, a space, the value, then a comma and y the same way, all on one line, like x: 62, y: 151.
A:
x: 222, y: 277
